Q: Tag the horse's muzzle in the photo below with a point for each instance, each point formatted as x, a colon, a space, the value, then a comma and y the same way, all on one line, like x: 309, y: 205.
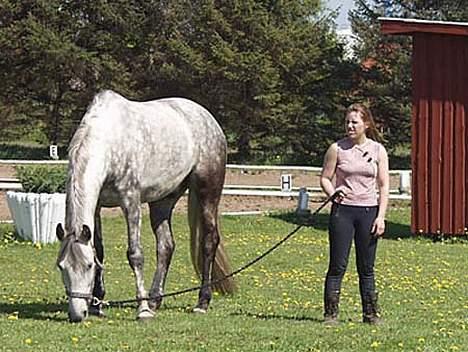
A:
x: 77, y: 310
x: 77, y: 318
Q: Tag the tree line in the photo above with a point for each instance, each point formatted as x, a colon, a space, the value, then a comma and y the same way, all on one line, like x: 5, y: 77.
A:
x: 274, y: 73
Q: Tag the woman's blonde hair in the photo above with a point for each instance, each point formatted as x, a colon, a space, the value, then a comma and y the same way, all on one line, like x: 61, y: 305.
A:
x: 368, y: 119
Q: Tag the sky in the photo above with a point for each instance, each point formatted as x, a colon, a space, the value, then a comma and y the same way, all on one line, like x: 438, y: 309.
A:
x: 346, y: 5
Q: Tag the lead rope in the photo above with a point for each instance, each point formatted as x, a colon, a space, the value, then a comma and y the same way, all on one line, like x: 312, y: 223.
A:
x: 97, y: 301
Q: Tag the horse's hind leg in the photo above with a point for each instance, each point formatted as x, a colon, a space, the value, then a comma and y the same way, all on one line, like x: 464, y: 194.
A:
x: 206, y: 186
x: 160, y: 216
x: 99, y: 290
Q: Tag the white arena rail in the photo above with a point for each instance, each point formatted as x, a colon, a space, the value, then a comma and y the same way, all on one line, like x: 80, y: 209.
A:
x: 402, y: 193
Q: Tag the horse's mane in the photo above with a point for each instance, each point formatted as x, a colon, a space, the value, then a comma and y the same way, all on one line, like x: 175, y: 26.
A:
x: 78, y: 155
x: 79, y: 152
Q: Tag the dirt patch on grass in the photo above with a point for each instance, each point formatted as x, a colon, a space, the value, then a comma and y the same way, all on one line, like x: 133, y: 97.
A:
x: 229, y: 203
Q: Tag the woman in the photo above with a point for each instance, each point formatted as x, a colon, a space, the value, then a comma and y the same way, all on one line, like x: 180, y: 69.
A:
x: 359, y: 163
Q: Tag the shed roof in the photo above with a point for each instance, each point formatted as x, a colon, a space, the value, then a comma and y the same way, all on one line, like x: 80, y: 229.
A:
x: 411, y: 26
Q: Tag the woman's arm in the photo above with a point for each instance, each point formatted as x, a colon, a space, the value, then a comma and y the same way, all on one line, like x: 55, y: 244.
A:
x: 328, y: 170
x: 383, y: 181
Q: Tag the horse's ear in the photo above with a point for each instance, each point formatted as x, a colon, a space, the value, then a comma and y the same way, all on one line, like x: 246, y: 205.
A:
x: 59, y: 232
x: 85, y: 234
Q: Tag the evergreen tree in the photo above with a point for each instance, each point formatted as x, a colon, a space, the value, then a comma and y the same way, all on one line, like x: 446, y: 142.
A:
x: 384, y: 80
x: 271, y: 71
x: 53, y: 58
x: 266, y: 69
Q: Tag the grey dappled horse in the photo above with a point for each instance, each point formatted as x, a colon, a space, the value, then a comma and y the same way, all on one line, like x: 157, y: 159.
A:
x: 125, y: 153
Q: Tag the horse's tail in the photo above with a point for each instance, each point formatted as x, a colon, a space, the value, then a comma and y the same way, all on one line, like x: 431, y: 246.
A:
x: 221, y: 266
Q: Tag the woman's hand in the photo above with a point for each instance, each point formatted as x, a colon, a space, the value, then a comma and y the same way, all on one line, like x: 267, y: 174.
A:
x: 378, y: 228
x: 339, y: 195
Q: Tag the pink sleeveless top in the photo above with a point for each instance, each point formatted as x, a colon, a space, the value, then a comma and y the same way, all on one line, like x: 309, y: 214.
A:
x: 356, y: 171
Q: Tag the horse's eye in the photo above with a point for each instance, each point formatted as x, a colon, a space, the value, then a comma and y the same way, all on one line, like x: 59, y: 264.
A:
x: 90, y: 265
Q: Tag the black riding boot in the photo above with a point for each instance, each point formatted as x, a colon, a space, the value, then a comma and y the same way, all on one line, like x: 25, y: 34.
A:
x: 331, y: 303
x: 370, y: 310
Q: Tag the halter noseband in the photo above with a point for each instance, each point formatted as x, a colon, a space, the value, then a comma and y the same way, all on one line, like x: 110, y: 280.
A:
x: 73, y: 294
x: 94, y: 301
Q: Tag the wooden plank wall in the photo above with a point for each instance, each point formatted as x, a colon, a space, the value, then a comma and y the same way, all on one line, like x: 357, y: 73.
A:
x: 439, y: 128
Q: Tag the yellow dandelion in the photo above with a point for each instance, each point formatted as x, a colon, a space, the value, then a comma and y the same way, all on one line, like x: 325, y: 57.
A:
x: 375, y: 344
x: 75, y: 339
x: 28, y: 341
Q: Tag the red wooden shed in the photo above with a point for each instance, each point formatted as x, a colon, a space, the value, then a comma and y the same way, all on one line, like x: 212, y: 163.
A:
x: 439, y: 148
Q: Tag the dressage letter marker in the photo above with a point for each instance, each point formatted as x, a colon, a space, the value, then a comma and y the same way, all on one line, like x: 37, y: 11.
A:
x: 286, y: 183
x: 53, y: 152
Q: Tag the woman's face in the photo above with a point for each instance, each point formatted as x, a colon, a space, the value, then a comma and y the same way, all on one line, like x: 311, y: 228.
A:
x: 355, y: 125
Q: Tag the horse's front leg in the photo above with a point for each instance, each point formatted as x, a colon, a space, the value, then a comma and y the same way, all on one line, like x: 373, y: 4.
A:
x: 160, y: 223
x: 99, y: 290
x: 135, y: 256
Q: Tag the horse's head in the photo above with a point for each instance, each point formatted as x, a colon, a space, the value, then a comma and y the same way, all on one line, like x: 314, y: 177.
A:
x: 77, y: 261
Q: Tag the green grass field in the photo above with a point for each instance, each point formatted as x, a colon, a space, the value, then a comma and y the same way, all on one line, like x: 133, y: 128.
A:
x: 423, y: 294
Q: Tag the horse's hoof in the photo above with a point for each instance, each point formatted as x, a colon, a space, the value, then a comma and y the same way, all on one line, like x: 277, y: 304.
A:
x: 155, y: 304
x: 97, y: 312
x: 145, y: 314
x: 199, y: 310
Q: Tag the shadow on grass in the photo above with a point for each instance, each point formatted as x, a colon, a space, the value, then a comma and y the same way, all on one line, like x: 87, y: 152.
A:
x: 319, y: 221
x: 393, y: 231
x: 45, y: 311
x: 36, y: 311
x: 263, y: 316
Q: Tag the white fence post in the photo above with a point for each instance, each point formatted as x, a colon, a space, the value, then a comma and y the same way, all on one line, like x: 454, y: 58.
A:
x: 405, y: 182
x: 302, y: 202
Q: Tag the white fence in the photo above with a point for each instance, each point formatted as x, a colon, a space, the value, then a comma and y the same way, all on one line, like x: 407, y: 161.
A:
x: 401, y: 192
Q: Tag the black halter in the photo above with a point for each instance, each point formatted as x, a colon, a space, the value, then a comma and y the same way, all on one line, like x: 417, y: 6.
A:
x: 94, y: 301
x: 72, y: 294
